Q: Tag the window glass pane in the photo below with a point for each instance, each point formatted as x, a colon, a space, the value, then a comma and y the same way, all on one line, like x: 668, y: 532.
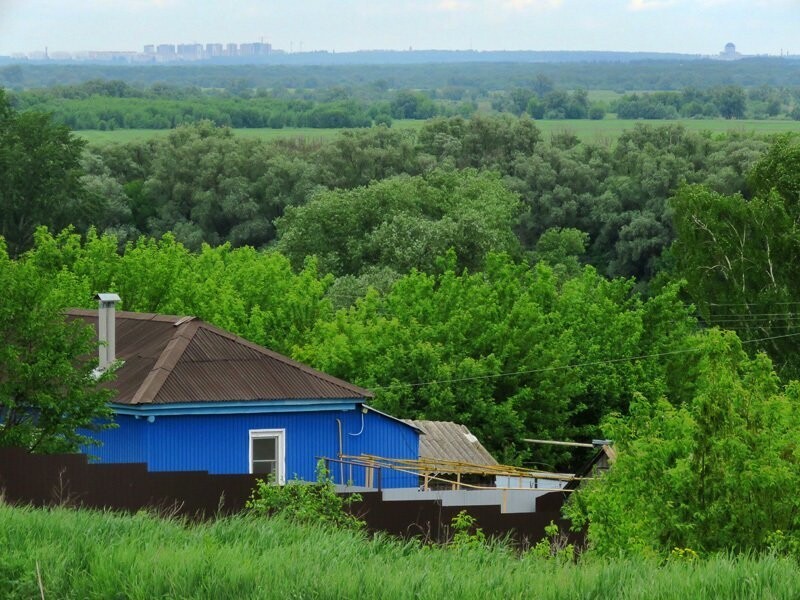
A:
x: 265, y: 467
x: 264, y: 448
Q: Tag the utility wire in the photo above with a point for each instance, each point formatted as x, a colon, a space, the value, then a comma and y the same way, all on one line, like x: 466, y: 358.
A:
x: 752, y: 303
x: 572, y: 366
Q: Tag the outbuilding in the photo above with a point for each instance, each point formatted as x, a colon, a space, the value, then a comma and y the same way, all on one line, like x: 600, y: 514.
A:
x: 193, y: 397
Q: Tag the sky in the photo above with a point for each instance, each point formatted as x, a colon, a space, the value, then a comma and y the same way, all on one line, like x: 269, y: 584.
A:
x: 687, y: 26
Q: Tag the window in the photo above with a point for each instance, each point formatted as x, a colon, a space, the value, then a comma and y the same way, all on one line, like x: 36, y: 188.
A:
x: 267, y: 453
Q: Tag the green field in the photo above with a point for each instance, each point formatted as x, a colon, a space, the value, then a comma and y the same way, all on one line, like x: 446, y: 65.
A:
x: 139, y: 135
x: 603, y: 95
x: 608, y: 130
x: 605, y: 131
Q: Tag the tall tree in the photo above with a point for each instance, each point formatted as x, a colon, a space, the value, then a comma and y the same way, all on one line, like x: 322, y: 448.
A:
x: 49, y: 399
x: 715, y: 473
x: 739, y: 257
x: 39, y: 177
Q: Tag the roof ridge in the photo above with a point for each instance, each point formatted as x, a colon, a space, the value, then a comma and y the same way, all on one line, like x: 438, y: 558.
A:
x: 128, y: 314
x: 285, y: 359
x: 167, y: 360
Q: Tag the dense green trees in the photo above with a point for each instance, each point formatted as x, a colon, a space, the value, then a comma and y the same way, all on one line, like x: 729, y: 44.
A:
x: 616, y: 195
x: 48, y: 395
x: 104, y: 104
x: 511, y: 350
x: 39, y: 177
x: 739, y: 257
x: 205, y: 185
x: 714, y: 473
x: 402, y: 223
x: 729, y: 102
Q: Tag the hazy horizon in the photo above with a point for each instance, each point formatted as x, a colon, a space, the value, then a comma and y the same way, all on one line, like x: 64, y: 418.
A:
x: 679, y: 26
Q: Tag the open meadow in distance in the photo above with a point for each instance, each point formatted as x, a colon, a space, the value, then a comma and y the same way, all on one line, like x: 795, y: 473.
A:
x: 606, y: 130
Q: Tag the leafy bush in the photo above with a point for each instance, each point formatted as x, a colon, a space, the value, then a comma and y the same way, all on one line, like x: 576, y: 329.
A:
x: 466, y: 533
x: 716, y: 473
x: 305, y: 502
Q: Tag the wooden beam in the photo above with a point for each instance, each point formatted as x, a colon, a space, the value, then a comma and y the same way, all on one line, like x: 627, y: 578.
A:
x: 555, y: 443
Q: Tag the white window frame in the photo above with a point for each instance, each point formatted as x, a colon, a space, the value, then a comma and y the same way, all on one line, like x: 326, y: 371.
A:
x: 280, y: 460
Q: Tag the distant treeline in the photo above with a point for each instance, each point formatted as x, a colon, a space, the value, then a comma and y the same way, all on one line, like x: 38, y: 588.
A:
x: 542, y: 101
x: 730, y: 102
x: 473, y: 77
x: 115, y: 104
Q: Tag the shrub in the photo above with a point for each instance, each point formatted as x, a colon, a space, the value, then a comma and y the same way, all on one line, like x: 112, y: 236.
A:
x: 305, y: 502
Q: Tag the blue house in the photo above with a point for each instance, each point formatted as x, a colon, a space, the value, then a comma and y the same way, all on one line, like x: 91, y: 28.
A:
x: 191, y: 396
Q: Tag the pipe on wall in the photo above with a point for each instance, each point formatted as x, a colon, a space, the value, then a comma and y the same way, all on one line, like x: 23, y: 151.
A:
x: 341, y: 452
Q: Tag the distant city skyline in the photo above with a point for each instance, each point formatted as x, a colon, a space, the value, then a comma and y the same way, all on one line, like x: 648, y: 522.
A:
x: 682, y: 26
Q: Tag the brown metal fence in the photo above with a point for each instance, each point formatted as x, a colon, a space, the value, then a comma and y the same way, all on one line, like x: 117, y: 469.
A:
x: 69, y: 479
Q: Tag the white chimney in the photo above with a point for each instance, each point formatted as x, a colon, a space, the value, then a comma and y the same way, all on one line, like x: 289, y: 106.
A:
x: 106, y: 329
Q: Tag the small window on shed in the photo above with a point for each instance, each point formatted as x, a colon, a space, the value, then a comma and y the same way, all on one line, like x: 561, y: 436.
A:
x: 267, y: 453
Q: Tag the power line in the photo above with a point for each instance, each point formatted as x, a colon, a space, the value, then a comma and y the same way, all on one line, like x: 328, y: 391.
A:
x: 752, y: 303
x: 571, y: 366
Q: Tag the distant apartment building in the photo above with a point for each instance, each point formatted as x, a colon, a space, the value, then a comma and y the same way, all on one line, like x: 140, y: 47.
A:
x: 213, y: 50
x: 166, y: 50
x: 190, y: 51
x: 158, y: 53
x: 255, y: 49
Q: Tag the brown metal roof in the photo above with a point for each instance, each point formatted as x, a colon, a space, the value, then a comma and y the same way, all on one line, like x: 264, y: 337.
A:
x: 169, y: 359
x: 447, y: 441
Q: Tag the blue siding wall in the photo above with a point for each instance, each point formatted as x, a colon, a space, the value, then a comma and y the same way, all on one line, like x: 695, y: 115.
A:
x: 220, y: 443
x: 123, y: 444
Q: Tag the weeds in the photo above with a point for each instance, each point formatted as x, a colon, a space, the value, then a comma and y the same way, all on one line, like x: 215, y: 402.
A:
x: 91, y: 554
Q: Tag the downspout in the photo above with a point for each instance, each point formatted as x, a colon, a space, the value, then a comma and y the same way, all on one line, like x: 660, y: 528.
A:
x: 341, y: 453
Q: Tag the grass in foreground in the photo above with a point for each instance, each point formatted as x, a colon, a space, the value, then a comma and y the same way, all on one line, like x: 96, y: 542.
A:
x: 87, y: 554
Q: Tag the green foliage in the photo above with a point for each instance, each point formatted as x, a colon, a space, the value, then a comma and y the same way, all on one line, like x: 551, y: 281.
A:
x: 710, y: 474
x: 500, y: 345
x: 554, y: 546
x: 739, y: 257
x: 403, y: 223
x: 495, y: 350
x: 466, y: 533
x: 304, y: 502
x: 254, y: 294
x: 206, y: 184
x: 39, y: 177
x: 107, y: 111
x: 779, y: 170
x: 49, y: 399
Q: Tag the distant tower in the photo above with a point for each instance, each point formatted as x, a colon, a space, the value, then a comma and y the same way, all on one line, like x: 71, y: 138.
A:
x: 729, y: 53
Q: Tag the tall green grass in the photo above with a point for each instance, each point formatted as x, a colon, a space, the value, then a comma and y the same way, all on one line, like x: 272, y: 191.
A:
x: 86, y: 554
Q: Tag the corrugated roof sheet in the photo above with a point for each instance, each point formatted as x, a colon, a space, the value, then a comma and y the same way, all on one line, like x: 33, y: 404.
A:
x: 447, y: 441
x: 170, y: 359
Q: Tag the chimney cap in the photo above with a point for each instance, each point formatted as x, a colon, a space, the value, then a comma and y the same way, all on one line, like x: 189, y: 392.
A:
x: 107, y: 297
